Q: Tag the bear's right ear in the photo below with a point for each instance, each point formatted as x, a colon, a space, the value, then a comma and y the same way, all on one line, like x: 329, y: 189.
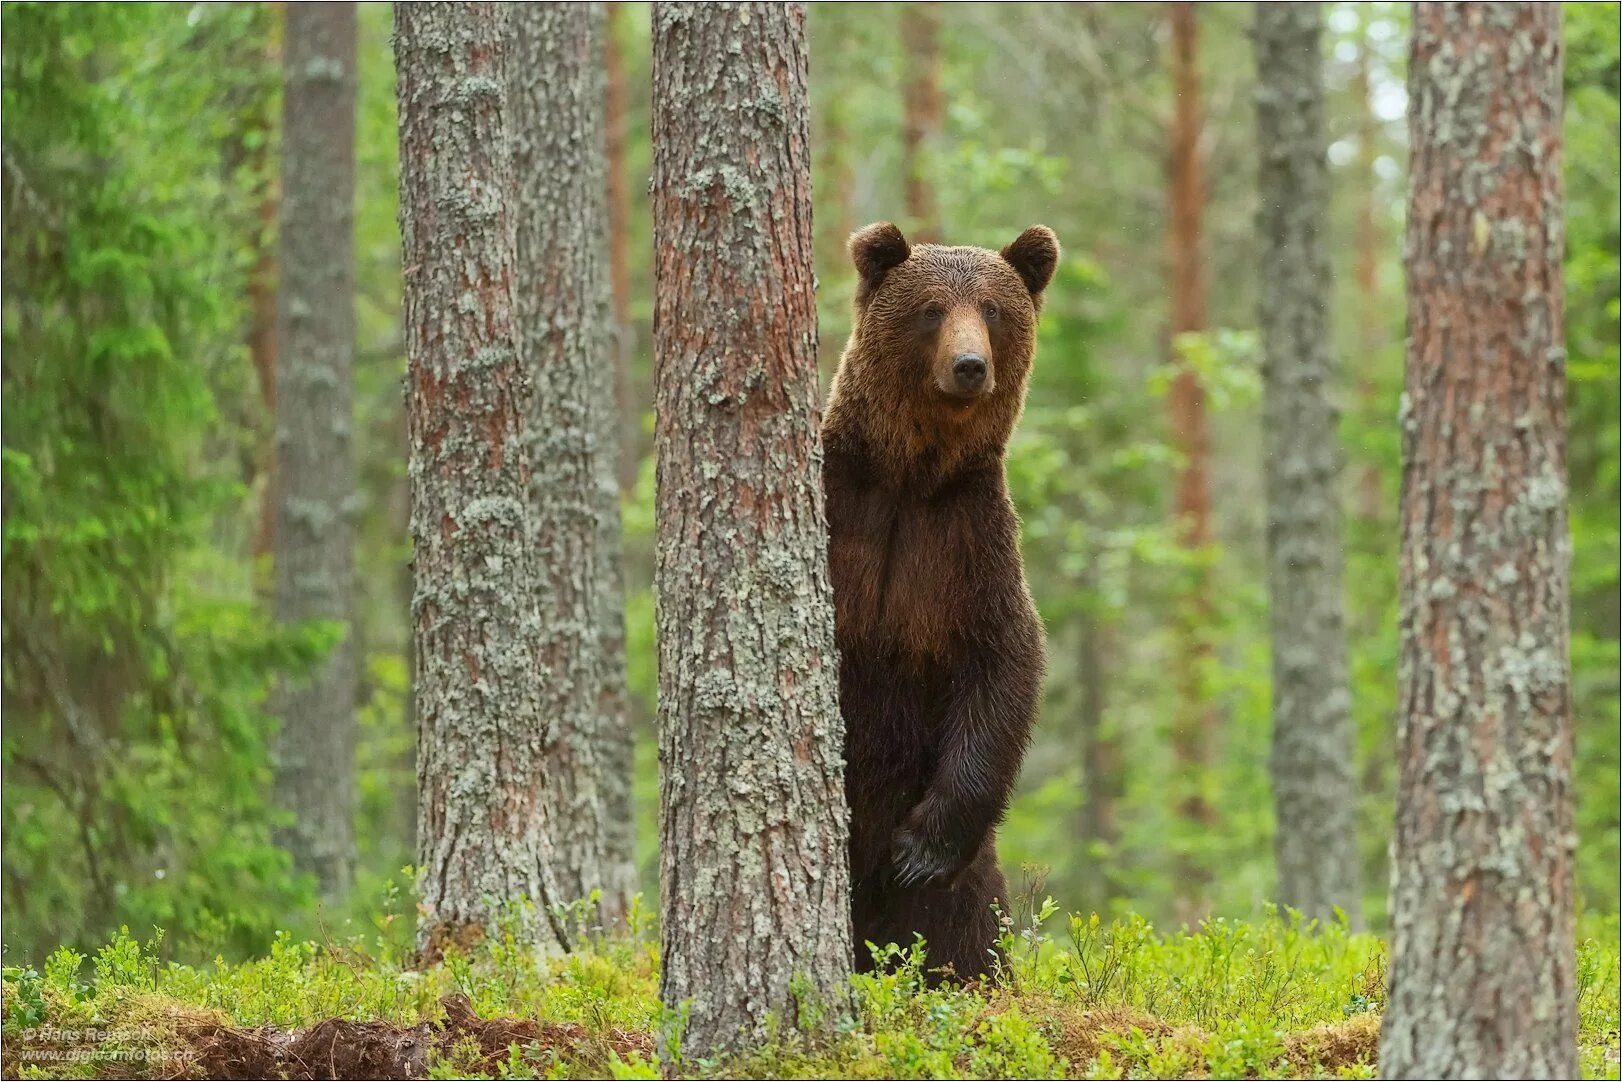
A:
x: 875, y: 249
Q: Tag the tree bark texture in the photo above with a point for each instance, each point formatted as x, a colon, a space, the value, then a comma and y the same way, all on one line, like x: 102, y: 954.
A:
x: 1482, y: 948
x: 1314, y: 794
x: 566, y: 317
x: 922, y: 113
x: 753, y: 870
x: 484, y: 834
x: 1195, y: 724
x: 315, y: 490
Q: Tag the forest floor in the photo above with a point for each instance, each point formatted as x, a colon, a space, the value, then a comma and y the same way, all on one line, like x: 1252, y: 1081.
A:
x: 1081, y: 999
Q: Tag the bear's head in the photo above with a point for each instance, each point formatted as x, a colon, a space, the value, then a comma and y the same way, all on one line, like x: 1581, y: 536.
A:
x: 943, y: 340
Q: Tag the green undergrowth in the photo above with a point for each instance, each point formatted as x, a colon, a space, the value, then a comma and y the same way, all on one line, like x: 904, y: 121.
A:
x: 1081, y: 998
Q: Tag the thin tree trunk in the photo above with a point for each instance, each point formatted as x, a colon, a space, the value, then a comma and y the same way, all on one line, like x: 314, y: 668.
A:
x: 921, y: 116
x: 1482, y: 947
x: 483, y: 826
x: 1194, y: 727
x: 1371, y: 316
x: 1315, y: 841
x: 262, y: 293
x: 1100, y: 753
x: 753, y: 870
x: 314, y: 536
x: 616, y: 124
x: 565, y: 311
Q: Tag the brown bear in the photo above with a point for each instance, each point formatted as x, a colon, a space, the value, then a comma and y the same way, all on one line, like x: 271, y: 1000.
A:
x: 941, y: 649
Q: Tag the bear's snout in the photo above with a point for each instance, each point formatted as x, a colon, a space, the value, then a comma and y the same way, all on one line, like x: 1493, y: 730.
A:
x: 963, y: 367
x: 969, y: 370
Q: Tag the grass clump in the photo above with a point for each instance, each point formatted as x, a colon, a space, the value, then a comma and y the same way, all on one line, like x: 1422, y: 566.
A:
x: 1080, y: 998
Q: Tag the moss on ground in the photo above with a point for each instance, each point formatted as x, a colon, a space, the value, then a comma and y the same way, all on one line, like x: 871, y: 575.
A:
x: 1082, y: 998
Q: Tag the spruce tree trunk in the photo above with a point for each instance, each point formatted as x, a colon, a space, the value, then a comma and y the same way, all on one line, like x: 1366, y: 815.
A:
x: 1482, y: 950
x: 1195, y: 723
x: 565, y: 312
x: 315, y: 489
x: 484, y: 834
x: 753, y: 825
x: 1315, y: 842
x: 922, y: 113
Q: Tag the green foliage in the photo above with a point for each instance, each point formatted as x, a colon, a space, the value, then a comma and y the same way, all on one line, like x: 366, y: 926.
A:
x: 1275, y: 998
x: 135, y: 749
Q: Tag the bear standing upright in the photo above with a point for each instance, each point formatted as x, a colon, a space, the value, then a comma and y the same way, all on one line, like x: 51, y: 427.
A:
x: 941, y: 653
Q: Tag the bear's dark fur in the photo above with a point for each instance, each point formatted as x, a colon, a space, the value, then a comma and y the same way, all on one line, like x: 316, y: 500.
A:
x: 941, y: 653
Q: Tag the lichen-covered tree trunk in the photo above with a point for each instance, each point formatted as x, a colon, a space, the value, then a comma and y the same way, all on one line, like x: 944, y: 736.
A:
x: 1195, y: 722
x: 565, y: 312
x: 483, y: 832
x: 1482, y: 951
x: 922, y: 113
x: 753, y: 825
x: 314, y: 535
x: 1315, y: 839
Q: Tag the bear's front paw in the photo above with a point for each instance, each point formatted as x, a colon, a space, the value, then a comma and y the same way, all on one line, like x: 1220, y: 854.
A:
x: 919, y: 856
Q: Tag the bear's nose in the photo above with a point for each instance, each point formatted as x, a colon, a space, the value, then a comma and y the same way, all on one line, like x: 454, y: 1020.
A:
x: 970, y: 371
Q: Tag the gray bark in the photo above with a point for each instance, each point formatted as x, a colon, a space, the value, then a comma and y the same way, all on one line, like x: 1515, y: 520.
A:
x: 565, y: 311
x: 483, y: 831
x: 1482, y: 949
x: 1314, y: 795
x: 314, y: 532
x: 753, y: 870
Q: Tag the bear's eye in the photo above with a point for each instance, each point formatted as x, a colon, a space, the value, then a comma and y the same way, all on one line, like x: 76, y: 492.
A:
x: 989, y: 311
x: 932, y: 315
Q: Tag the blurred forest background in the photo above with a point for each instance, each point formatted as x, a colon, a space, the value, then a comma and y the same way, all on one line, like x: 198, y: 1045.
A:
x: 140, y: 210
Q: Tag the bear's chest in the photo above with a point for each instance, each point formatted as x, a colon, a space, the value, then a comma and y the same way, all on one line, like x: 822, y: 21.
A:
x: 903, y: 571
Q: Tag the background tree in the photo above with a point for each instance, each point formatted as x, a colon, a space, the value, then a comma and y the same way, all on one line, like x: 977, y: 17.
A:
x: 1194, y: 724
x: 1315, y: 844
x: 565, y: 312
x: 315, y: 467
x: 1482, y: 953
x: 753, y: 878
x: 922, y: 112
x: 484, y: 764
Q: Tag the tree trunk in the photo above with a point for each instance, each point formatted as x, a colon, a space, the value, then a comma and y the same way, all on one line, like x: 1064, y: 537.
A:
x: 1100, y: 753
x: 921, y: 116
x: 615, y: 124
x: 1482, y: 948
x: 1371, y: 315
x: 484, y: 834
x: 753, y: 869
x: 1315, y: 842
x: 315, y: 490
x: 565, y: 311
x: 1195, y: 724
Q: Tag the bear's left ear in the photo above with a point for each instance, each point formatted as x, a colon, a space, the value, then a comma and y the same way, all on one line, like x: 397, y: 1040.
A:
x: 1035, y: 255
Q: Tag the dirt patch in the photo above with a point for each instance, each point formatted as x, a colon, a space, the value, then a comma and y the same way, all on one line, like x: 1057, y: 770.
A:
x: 339, y: 1049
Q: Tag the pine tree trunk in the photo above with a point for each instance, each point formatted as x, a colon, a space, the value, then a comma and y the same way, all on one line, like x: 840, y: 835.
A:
x: 616, y: 124
x: 1194, y: 727
x: 1315, y: 842
x: 921, y: 116
x: 565, y: 312
x: 753, y: 872
x: 315, y: 490
x: 262, y: 303
x: 1482, y: 950
x: 484, y: 834
x: 1371, y: 317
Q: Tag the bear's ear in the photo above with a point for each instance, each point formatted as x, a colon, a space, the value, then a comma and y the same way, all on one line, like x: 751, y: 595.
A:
x: 875, y: 249
x: 1035, y: 255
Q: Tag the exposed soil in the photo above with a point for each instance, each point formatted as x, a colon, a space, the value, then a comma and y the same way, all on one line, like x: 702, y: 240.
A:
x: 336, y: 1048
